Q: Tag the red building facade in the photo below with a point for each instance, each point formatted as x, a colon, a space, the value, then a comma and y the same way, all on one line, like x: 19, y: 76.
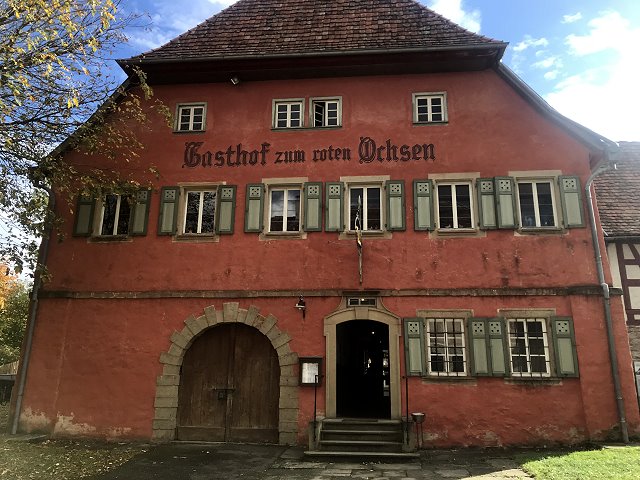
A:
x: 417, y: 203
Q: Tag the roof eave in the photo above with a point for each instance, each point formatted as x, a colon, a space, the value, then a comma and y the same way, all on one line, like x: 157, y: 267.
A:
x: 140, y: 60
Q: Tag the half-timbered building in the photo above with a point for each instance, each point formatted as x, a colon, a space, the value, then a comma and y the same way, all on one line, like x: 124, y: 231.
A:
x: 361, y: 214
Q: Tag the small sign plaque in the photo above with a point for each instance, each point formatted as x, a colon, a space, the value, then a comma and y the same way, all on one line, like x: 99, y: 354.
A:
x: 310, y: 370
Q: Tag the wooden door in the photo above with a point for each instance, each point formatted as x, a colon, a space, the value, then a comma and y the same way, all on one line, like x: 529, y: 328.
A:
x: 229, y: 387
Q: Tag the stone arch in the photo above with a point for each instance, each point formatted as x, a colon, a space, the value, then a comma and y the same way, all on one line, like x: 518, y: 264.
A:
x: 378, y: 314
x: 167, y: 384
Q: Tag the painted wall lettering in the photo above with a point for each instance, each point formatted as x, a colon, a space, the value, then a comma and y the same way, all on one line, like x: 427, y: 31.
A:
x: 368, y: 151
x: 231, y: 157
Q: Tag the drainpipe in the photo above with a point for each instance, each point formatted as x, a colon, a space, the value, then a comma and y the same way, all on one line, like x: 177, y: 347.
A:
x: 613, y: 357
x: 33, y: 310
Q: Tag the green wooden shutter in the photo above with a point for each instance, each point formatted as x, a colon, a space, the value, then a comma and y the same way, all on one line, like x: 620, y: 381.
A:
x: 140, y: 213
x: 226, y: 211
x: 312, y: 207
x: 414, y: 346
x: 498, y: 348
x: 85, y: 207
x: 395, y: 205
x: 168, y: 218
x: 254, y: 208
x: 506, y: 202
x: 564, y: 345
x: 334, y: 211
x: 571, y: 200
x: 486, y: 203
x: 478, y: 336
x: 423, y: 205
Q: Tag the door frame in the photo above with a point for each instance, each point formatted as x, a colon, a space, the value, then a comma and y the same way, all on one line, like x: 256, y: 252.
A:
x: 377, y: 314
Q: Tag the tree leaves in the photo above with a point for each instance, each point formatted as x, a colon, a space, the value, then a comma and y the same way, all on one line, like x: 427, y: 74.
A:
x: 56, y: 98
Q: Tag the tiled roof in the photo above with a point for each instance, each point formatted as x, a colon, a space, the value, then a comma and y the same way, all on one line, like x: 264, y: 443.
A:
x: 618, y: 193
x: 302, y: 27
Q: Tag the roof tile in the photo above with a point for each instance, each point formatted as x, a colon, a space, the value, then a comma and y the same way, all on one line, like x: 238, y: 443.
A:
x: 276, y: 27
x: 618, y: 193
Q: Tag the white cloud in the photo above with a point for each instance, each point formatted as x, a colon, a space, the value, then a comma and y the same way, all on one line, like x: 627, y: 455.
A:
x: 529, y: 41
x: 572, y: 18
x: 454, y: 11
x: 604, y: 98
x: 609, y: 31
x: 551, y: 75
x: 547, y: 63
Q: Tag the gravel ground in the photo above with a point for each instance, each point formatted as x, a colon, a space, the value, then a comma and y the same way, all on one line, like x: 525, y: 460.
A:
x: 59, y: 459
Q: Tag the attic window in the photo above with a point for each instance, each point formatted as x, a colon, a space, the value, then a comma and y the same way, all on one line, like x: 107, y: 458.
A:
x: 191, y: 117
x: 430, y: 107
x: 326, y: 112
x: 288, y: 113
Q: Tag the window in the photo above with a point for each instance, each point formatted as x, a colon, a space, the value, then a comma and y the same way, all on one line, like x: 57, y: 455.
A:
x: 528, y: 347
x: 537, y: 205
x: 364, y: 204
x: 326, y: 112
x: 454, y: 206
x: 287, y: 113
x: 115, y: 215
x: 191, y: 118
x: 361, y: 302
x: 199, y: 212
x: 284, y: 209
x: 429, y: 107
x: 446, y: 347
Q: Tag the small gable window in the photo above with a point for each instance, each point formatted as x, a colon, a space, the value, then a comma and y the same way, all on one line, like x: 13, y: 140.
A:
x: 429, y: 107
x: 288, y: 113
x: 191, y: 117
x: 326, y: 112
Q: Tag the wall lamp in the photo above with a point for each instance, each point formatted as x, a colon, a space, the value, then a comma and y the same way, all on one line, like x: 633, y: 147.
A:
x: 235, y: 80
x: 301, y: 305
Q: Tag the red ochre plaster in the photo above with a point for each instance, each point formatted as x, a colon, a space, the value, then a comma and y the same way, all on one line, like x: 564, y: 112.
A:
x: 95, y: 362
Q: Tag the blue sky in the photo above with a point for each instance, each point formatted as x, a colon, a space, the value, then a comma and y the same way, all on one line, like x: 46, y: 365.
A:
x: 579, y: 55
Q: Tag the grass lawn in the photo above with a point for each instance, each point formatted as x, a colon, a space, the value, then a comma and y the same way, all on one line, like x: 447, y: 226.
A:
x: 615, y: 463
x: 58, y: 459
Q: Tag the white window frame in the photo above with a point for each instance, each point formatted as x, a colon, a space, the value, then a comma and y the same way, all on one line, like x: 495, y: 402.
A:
x: 454, y: 205
x: 184, y: 203
x: 448, y: 372
x: 288, y: 102
x: 116, y: 220
x: 554, y: 195
x: 325, y: 100
x: 286, y: 189
x: 429, y: 97
x: 544, y: 321
x: 191, y: 108
x: 364, y: 220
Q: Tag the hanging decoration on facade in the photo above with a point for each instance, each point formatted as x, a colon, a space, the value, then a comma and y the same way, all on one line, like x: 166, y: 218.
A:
x: 368, y: 151
x: 359, y: 237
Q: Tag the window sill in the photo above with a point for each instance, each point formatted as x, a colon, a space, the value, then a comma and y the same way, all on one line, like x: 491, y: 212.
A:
x: 197, y: 238
x: 426, y: 124
x: 297, y: 129
x: 449, y: 379
x: 110, y: 238
x: 456, y: 231
x: 188, y: 131
x: 540, y: 230
x: 283, y: 235
x: 533, y: 381
x: 366, y: 234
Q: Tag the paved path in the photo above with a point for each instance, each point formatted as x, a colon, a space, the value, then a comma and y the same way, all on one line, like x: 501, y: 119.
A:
x: 269, y: 462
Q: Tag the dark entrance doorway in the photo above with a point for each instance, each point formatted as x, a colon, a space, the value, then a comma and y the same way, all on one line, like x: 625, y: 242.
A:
x: 229, y: 387
x: 362, y: 369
